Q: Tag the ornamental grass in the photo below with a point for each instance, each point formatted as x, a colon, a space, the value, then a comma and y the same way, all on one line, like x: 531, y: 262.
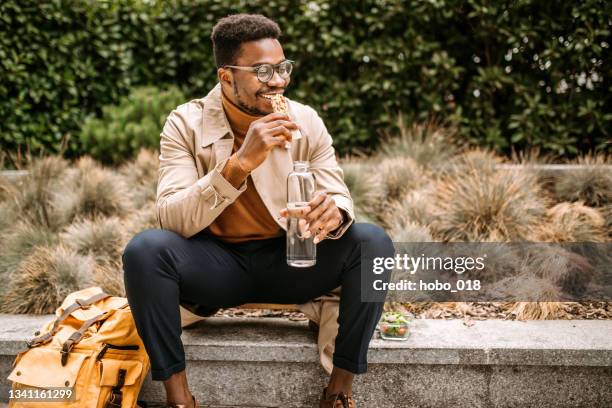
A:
x: 65, y: 224
x: 44, y: 278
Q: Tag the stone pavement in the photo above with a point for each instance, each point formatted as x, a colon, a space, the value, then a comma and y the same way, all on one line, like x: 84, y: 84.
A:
x: 271, y: 362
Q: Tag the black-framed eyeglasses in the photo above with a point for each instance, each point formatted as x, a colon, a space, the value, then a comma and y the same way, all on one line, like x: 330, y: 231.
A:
x: 265, y: 72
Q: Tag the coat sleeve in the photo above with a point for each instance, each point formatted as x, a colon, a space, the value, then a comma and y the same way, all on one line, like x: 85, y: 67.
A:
x: 185, y: 203
x: 328, y: 173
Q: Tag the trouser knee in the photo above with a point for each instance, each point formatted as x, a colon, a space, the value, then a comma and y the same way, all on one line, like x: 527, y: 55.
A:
x: 373, y: 236
x: 144, y: 253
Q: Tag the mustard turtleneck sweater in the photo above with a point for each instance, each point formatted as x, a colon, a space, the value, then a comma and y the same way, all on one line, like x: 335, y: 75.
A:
x: 247, y: 218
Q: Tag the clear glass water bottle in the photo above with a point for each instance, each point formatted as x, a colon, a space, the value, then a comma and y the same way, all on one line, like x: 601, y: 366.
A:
x: 301, y: 252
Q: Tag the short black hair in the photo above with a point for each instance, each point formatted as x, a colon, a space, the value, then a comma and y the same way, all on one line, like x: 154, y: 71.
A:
x: 231, y: 31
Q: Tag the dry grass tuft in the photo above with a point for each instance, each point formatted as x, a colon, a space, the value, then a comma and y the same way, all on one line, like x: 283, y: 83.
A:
x: 502, y: 261
x: 397, y: 176
x: 142, y: 219
x: 364, y: 189
x: 109, y: 277
x: 43, y: 279
x: 474, y: 204
x: 92, y: 191
x: 8, y: 189
x: 140, y: 177
x: 538, y: 310
x: 606, y: 212
x: 8, y: 215
x: 569, y: 271
x: 143, y: 170
x: 429, y: 144
x: 574, y: 222
x: 52, y: 197
x: 524, y: 287
x: 476, y: 160
x: 413, y: 207
x: 34, y: 199
x: 591, y: 184
x: 101, y: 192
x: 410, y: 232
x: 104, y: 238
x: 19, y: 241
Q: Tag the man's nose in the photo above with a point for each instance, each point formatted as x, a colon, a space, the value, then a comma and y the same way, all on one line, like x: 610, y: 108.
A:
x: 277, y: 80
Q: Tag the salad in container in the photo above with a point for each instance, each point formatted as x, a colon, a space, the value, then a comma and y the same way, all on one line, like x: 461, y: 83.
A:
x: 394, y: 326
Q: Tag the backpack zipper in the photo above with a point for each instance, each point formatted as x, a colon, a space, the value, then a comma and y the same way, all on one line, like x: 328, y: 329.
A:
x: 107, y: 346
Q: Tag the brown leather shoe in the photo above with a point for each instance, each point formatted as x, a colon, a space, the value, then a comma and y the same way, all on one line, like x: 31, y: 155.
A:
x: 340, y: 400
x: 171, y: 405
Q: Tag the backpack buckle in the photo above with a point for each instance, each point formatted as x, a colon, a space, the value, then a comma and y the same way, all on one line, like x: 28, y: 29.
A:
x: 81, y: 302
x: 66, y: 348
x: 37, y: 341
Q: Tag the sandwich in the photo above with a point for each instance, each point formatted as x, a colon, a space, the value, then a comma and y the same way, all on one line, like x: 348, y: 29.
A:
x: 279, y: 105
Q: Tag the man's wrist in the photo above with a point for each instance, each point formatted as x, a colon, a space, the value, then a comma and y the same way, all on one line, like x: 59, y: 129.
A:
x: 241, y: 165
x: 234, y: 172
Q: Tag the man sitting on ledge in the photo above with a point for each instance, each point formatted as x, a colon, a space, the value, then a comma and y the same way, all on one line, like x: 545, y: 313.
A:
x: 220, y: 200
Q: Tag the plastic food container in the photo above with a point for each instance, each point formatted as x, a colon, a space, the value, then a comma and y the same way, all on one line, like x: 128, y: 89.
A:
x: 394, y: 326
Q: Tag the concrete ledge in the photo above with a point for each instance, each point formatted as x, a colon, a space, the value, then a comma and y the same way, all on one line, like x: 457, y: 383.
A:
x: 269, y: 362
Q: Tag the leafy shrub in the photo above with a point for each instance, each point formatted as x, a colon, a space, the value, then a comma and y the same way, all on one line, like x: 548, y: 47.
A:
x: 507, y: 74
x: 134, y: 123
x: 61, y: 60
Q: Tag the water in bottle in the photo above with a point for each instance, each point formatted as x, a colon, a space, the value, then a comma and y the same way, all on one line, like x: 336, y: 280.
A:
x: 301, y: 251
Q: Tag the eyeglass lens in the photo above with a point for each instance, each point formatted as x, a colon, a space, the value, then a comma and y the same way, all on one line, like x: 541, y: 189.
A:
x: 266, y: 71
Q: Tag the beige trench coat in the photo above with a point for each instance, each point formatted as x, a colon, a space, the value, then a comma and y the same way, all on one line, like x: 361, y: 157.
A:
x: 196, y: 142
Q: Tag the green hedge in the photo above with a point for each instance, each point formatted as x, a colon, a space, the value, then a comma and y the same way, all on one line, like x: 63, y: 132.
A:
x: 510, y: 74
x: 134, y: 123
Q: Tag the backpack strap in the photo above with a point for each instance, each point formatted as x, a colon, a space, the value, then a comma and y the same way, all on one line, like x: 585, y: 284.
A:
x: 116, y: 396
x: 78, y: 304
x: 78, y: 335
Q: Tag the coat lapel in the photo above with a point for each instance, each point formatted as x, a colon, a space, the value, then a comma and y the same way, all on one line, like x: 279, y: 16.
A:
x: 270, y: 180
x: 214, y: 123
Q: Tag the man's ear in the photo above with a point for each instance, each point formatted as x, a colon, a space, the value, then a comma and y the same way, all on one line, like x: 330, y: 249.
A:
x: 224, y: 76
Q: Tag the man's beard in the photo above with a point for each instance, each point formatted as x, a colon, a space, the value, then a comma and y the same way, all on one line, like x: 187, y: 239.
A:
x: 249, y: 109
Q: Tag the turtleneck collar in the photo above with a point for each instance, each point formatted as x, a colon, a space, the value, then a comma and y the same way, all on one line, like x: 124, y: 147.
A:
x: 238, y: 119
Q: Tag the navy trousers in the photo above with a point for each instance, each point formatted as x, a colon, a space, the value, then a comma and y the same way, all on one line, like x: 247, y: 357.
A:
x: 162, y: 269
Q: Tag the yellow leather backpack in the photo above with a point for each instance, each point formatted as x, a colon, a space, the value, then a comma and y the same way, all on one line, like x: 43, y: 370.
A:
x: 89, y: 356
